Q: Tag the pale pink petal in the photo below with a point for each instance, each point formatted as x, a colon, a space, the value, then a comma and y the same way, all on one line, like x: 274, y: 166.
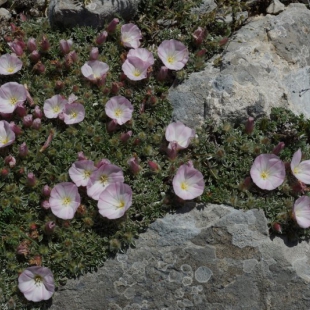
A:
x: 301, y: 211
x: 10, y: 64
x: 54, y: 106
x: 80, y: 171
x: 73, y: 113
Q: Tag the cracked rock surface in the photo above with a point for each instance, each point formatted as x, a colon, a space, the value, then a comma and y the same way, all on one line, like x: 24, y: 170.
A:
x: 204, y: 257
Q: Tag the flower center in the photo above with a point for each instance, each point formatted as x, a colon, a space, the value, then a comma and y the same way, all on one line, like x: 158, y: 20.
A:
x: 38, y: 280
x: 184, y: 186
x: 104, y: 179
x: 13, y: 100
x: 121, y: 204
x: 171, y: 59
x: 264, y: 175
x: 5, y: 140
x: 66, y: 200
x: 137, y: 72
x: 73, y: 114
x: 296, y: 170
x: 86, y: 174
x: 10, y: 69
x: 118, y: 112
x: 56, y: 109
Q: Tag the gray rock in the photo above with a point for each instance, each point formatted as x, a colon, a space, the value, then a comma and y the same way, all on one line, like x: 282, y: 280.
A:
x: 3, y: 2
x: 205, y: 7
x: 209, y: 257
x: 266, y: 64
x: 5, y: 14
x: 70, y: 13
x: 275, y: 7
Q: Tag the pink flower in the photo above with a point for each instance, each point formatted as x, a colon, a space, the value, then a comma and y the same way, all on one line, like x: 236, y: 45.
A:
x: 301, y: 211
x: 36, y: 283
x: 81, y: 171
x: 120, y: 109
x: 115, y: 200
x: 174, y: 54
x: 135, y: 69
x: 95, y: 70
x: 10, y: 64
x: 54, y: 106
x: 268, y: 171
x: 65, y: 46
x: 143, y: 54
x: 73, y: 113
x: 101, y: 178
x: 11, y: 95
x: 188, y: 182
x: 130, y: 35
x: 179, y: 133
x: 7, y: 135
x: 301, y: 170
x: 64, y: 200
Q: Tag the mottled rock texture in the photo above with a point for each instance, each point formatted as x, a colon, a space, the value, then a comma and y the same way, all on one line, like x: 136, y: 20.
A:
x: 266, y: 64
x: 207, y: 257
x: 70, y: 13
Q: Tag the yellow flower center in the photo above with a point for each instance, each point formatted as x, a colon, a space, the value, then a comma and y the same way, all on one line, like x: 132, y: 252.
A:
x: 13, y: 100
x: 73, y: 114
x: 264, y: 175
x: 65, y: 201
x: 296, y: 170
x: 121, y: 204
x: 104, y: 179
x: 184, y: 186
x: 5, y: 140
x: 136, y: 72
x: 86, y: 174
x: 10, y: 69
x: 118, y: 112
x: 56, y: 109
x: 38, y: 279
x: 171, y: 59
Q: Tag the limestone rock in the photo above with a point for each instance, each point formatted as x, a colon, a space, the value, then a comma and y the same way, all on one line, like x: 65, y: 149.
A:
x: 205, y: 7
x: 2, y: 2
x: 70, y: 13
x: 275, y: 7
x: 5, y: 14
x: 209, y: 257
x: 266, y: 64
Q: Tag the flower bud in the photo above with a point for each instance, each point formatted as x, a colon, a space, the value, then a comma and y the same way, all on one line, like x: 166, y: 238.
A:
x: 31, y: 179
x: 115, y: 88
x: 31, y: 44
x: 112, y: 25
x: 94, y: 53
x: 112, y: 125
x: 81, y: 156
x: 4, y: 172
x: 39, y: 67
x: 65, y: 46
x: 278, y: 148
x: 45, y: 204
x: 45, y: 44
x: 134, y: 165
x: 10, y: 160
x: 162, y: 74
x: 276, y: 227
x: 172, y: 152
x: 59, y: 85
x: 102, y: 162
x: 101, y: 38
x: 223, y: 41
x: 16, y: 48
x: 23, y: 248
x: 201, y: 53
x: 125, y: 136
x: 37, y: 112
x: 199, y: 35
x: 48, y: 141
x: 6, y: 116
x: 27, y: 120
x: 246, y: 184
x: 17, y: 130
x: 153, y: 166
x: 49, y: 227
x: 46, y: 191
x: 34, y: 56
x: 21, y: 110
x: 23, y: 150
x: 36, y: 124
x: 249, y: 126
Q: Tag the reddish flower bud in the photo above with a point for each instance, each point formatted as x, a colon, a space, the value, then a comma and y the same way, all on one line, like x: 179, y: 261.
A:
x: 81, y: 156
x: 27, y: 120
x: 112, y: 125
x: 31, y: 45
x: 125, y: 136
x: 34, y: 56
x: 48, y: 141
x: 162, y: 74
x: 153, y: 100
x: 94, y: 53
x: 45, y: 44
x: 278, y: 148
x: 21, y: 110
x: 102, y: 162
x: 36, y: 124
x: 276, y: 227
x: 46, y: 191
x: 39, y: 67
x: 199, y: 35
x: 28, y: 96
x: 23, y: 248
x: 65, y: 46
x: 4, y: 172
x: 112, y: 25
x: 23, y: 150
x: 59, y: 85
x: 223, y: 41
x: 16, y: 48
x: 10, y: 160
x: 22, y: 17
x: 17, y: 130
x: 45, y: 204
x: 31, y: 179
x: 201, y: 53
x: 153, y: 166
x: 101, y: 38
x: 134, y: 165
x: 6, y: 116
x: 49, y: 227
x: 249, y: 126
x: 173, y: 151
x: 115, y: 88
x: 37, y: 112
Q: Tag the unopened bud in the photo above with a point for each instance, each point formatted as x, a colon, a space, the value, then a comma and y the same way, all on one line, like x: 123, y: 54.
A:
x: 46, y: 191
x: 276, y: 227
x: 10, y: 160
x: 21, y: 110
x: 94, y: 53
x: 65, y: 46
x: 17, y: 130
x: 112, y: 25
x: 134, y: 165
x: 153, y: 166
x: 37, y: 112
x: 34, y: 56
x: 112, y: 125
x: 249, y: 126
x: 172, y: 150
x: 45, y: 44
x: 39, y: 67
x: 31, y: 179
x: 101, y: 38
x: 49, y: 227
x: 45, y: 205
x: 199, y: 35
x: 31, y: 44
x: 27, y: 120
x: 125, y: 136
x: 36, y: 124
x: 162, y: 74
x: 278, y: 148
x: 23, y: 150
